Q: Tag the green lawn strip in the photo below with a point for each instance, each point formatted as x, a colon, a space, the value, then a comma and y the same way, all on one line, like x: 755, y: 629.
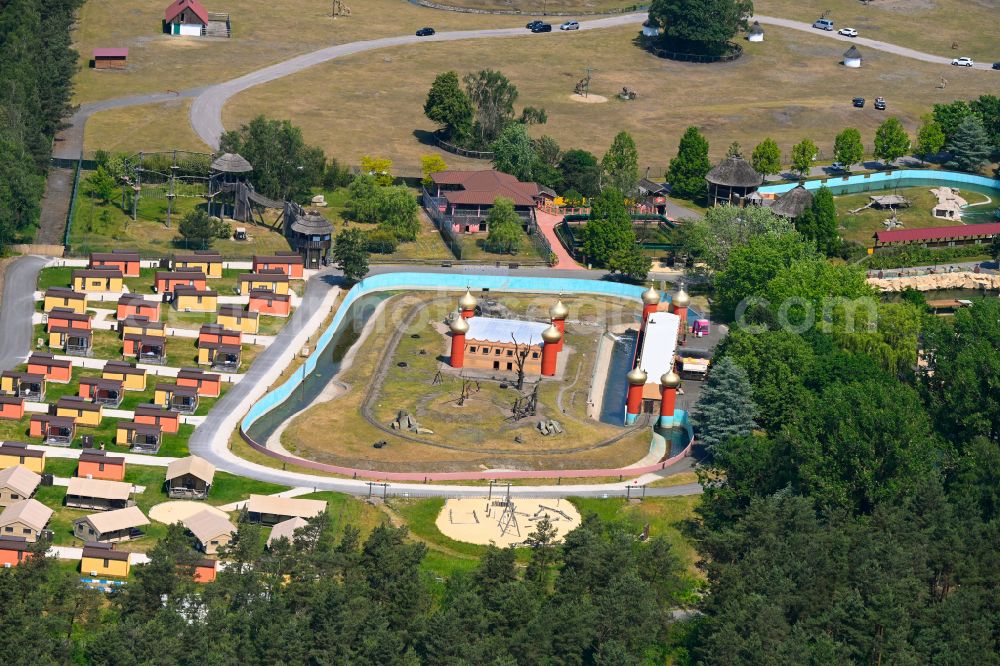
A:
x: 348, y: 510
x: 55, y: 276
x: 267, y: 325
x: 227, y: 488
x: 15, y: 429
x: 64, y: 467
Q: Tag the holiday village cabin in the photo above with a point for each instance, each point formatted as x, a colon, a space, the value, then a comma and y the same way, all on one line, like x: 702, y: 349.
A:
x: 192, y: 299
x: 270, y: 280
x: 218, y: 334
x: 11, y: 408
x: 101, y: 559
x: 183, y: 399
x: 18, y: 453
x: 267, y: 302
x: 208, y: 262
x: 107, y: 392
x: 209, y: 385
x: 17, y: 483
x: 189, y: 478
x: 64, y: 297
x: 111, y: 526
x: 136, y: 325
x: 134, y: 305
x: 220, y: 356
x: 145, y: 348
x: 67, y: 318
x: 210, y: 530
x: 291, y: 264
x: 125, y: 261
x: 167, y: 282
x: 271, y: 510
x: 205, y: 570
x: 238, y: 318
x: 132, y: 378
x: 13, y: 550
x: 59, y: 371
x: 69, y: 340
x: 84, y: 412
x: 139, y: 437
x: 26, y: 518
x: 98, y: 494
x: 28, y: 385
x: 98, y: 280
x: 285, y: 530
x: 53, y: 430
x: 168, y: 419
x: 97, y: 464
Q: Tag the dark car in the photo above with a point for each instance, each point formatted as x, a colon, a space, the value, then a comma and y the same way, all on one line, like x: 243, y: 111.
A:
x: 425, y: 32
x: 859, y: 102
x: 880, y: 103
x: 542, y: 27
x: 534, y: 24
x: 996, y: 65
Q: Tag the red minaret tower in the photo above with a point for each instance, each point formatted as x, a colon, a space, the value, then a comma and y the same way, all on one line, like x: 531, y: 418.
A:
x: 633, y: 402
x: 668, y: 401
x: 679, y: 306
x: 467, y: 304
x: 459, y: 327
x: 558, y: 313
x: 552, y: 338
x: 650, y: 302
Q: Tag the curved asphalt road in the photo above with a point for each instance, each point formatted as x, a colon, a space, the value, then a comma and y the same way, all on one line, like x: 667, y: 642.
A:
x: 16, y: 310
x: 206, y: 111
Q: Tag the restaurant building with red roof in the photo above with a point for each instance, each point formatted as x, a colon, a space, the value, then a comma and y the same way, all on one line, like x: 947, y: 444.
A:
x: 949, y: 236
x: 464, y: 198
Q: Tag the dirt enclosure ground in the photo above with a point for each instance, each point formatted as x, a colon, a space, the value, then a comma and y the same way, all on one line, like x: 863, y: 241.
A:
x: 483, y: 521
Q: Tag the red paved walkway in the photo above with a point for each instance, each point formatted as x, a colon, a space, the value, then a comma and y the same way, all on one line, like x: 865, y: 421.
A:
x: 547, y: 223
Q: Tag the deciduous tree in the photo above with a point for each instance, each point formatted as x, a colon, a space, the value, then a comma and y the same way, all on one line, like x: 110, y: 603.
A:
x: 430, y: 165
x: 351, y: 254
x: 450, y: 107
x: 580, y: 172
x: 504, y: 228
x: 803, y: 154
x: 766, y: 158
x: 930, y: 139
x: 514, y: 152
x: 621, y: 164
x: 891, y: 141
x: 694, y: 26
x: 687, y: 171
x: 284, y: 166
x: 492, y: 96
x: 848, y: 149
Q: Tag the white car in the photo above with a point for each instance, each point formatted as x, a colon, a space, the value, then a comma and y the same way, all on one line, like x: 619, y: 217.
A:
x: 962, y: 62
x: 570, y: 25
x: 848, y: 32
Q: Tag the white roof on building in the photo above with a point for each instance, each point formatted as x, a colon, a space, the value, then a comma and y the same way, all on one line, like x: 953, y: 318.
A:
x: 207, y: 526
x: 286, y: 529
x: 119, y: 519
x: 488, y: 329
x: 20, y: 479
x: 31, y: 512
x: 659, y: 345
x: 285, y: 506
x: 192, y: 465
x: 100, y: 488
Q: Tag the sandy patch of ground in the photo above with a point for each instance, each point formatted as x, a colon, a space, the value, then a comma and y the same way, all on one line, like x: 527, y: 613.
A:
x: 589, y: 99
x: 179, y: 511
x: 476, y: 520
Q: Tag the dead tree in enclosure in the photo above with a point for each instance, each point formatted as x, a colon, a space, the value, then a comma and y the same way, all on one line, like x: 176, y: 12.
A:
x: 521, y: 352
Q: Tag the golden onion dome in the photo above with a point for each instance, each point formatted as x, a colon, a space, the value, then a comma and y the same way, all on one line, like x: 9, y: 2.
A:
x: 651, y: 296
x: 670, y: 379
x: 637, y: 377
x: 467, y: 302
x: 458, y: 324
x: 551, y: 335
x: 681, y: 299
x: 558, y: 311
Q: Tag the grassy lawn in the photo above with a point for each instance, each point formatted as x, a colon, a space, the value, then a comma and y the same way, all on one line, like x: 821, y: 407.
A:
x: 227, y: 488
x: 55, y: 276
x: 148, y: 127
x: 925, y: 25
x: 349, y: 510
x: 101, y: 227
x: 860, y: 226
x: 551, y: 7
x: 799, y: 89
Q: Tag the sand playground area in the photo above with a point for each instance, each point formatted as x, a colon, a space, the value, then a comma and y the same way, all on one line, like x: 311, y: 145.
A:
x: 169, y: 513
x: 482, y: 521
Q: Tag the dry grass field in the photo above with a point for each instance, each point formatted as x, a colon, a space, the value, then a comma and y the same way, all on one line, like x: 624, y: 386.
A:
x: 549, y: 7
x: 336, y: 432
x: 789, y: 87
x: 263, y: 33
x: 149, y: 127
x: 925, y: 25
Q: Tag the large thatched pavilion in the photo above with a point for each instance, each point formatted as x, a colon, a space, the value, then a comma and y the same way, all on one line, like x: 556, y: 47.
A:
x: 732, y: 180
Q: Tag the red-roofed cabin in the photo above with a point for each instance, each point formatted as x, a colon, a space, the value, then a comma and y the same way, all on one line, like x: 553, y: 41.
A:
x: 204, y: 571
x: 66, y: 318
x: 11, y: 407
x: 56, y: 430
x: 169, y: 421
x: 109, y: 392
x: 466, y: 197
x: 209, y: 333
x: 269, y: 303
x: 133, y: 305
x: 109, y: 58
x: 290, y: 263
x: 125, y: 261
x: 14, y: 550
x: 185, y: 17
x: 209, y: 385
x: 950, y: 236
x: 53, y: 369
x: 168, y: 281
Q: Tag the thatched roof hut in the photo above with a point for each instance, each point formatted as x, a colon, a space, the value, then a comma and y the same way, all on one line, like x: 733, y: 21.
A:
x: 731, y: 180
x: 852, y: 57
x: 231, y: 163
x: 756, y: 33
x: 312, y: 224
x: 793, y: 203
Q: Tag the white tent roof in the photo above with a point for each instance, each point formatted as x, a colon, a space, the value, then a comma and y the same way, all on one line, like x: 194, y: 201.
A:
x: 207, y: 526
x: 659, y: 345
x: 100, y: 488
x: 488, y: 329
x: 286, y: 529
x: 120, y: 519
